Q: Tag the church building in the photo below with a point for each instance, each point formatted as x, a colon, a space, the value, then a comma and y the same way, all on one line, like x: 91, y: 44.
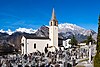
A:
x: 32, y: 44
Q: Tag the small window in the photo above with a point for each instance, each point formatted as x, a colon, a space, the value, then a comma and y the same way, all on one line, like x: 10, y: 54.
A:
x: 47, y: 45
x: 55, y: 24
x: 22, y: 44
x: 34, y: 45
x: 51, y: 23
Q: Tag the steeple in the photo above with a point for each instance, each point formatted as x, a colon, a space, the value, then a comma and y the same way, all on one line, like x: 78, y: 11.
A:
x: 53, y: 32
x: 53, y: 15
x: 53, y: 21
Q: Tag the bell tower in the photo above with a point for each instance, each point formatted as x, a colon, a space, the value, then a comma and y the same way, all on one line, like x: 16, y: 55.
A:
x: 53, y: 31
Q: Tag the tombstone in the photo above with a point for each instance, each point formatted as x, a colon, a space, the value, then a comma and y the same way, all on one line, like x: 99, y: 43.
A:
x: 26, y: 65
x: 46, y: 50
x: 65, y: 64
x: 90, y: 52
x: 33, y: 64
x: 57, y: 65
x: 20, y: 66
x: 74, y: 62
x: 69, y: 65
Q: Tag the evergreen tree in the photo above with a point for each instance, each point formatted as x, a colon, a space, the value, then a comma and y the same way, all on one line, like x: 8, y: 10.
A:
x: 73, y: 41
x: 98, y: 37
x: 89, y: 39
x: 97, y: 57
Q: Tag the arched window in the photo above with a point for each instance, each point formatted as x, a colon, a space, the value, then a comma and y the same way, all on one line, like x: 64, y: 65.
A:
x: 51, y: 23
x: 34, y: 45
x: 54, y: 23
x: 47, y: 45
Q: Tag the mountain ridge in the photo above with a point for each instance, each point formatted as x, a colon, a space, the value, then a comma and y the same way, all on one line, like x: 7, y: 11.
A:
x: 62, y: 27
x: 66, y: 30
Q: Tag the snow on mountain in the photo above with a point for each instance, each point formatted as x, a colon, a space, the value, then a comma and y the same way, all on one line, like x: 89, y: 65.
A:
x: 8, y: 31
x: 74, y: 29
x: 64, y: 26
x: 26, y: 30
x: 66, y: 30
x: 30, y: 30
x: 2, y: 31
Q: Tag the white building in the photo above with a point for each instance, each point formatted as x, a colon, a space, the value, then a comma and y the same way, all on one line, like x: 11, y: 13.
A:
x: 66, y: 43
x: 31, y: 44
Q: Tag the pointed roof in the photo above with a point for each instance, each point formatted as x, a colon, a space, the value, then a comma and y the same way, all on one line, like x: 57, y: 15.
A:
x: 53, y: 15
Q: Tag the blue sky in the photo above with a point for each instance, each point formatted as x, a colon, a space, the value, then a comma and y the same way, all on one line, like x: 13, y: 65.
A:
x: 35, y: 13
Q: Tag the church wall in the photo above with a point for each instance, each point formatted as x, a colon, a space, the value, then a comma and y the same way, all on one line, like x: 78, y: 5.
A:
x: 40, y: 45
x: 53, y: 34
x: 24, y: 42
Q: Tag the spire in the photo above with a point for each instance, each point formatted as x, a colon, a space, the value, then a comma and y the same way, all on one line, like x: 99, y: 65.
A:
x: 53, y: 15
x: 53, y: 21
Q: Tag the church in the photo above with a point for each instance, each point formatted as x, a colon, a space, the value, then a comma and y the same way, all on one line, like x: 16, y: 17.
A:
x: 32, y: 44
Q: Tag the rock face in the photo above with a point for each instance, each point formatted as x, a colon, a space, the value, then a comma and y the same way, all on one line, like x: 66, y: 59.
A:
x: 43, y: 31
x: 66, y: 31
x: 15, y: 38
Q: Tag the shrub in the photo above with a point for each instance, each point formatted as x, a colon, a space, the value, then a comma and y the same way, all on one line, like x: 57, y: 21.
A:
x: 97, y: 60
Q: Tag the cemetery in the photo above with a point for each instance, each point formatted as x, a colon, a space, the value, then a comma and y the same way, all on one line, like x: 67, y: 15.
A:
x: 45, y: 51
x: 70, y: 57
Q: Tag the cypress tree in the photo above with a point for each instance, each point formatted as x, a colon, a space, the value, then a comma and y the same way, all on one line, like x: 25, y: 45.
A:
x: 98, y: 37
x: 97, y: 56
x: 73, y: 41
x: 89, y: 39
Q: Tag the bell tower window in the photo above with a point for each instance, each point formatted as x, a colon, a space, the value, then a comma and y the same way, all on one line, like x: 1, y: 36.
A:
x: 51, y: 23
x: 55, y: 24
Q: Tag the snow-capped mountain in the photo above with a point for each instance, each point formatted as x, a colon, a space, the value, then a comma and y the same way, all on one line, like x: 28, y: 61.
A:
x: 66, y: 30
x: 30, y: 31
x: 74, y: 29
x: 8, y: 31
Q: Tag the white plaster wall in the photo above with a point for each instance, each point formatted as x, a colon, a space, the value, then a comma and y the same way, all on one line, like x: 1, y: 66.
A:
x: 53, y: 34
x: 50, y: 35
x: 66, y: 43
x: 40, y: 45
x: 23, y: 40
